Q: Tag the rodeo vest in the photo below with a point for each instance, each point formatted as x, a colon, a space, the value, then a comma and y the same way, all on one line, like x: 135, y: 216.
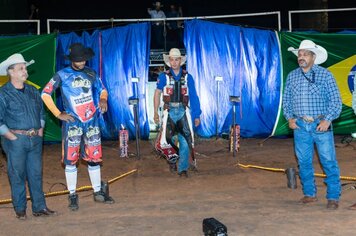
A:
x: 176, y: 91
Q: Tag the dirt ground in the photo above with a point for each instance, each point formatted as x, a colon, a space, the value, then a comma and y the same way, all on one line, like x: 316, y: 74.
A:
x: 153, y: 201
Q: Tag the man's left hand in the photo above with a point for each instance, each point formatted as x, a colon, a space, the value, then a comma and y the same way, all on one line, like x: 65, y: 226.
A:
x: 323, y: 126
x: 103, y: 105
x: 40, y: 132
x: 196, y: 122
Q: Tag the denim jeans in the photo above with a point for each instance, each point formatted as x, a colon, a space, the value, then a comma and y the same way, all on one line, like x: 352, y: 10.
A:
x: 177, y: 113
x: 24, y: 162
x: 304, y: 138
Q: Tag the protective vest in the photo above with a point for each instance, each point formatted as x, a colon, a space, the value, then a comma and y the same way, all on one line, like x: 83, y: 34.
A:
x: 176, y: 91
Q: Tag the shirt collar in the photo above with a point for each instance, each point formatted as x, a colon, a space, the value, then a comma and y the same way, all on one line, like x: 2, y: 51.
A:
x: 178, y: 75
x: 11, y: 87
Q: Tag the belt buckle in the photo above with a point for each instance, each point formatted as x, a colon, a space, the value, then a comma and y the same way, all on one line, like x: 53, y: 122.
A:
x: 308, y: 119
x: 31, y: 132
x: 175, y: 104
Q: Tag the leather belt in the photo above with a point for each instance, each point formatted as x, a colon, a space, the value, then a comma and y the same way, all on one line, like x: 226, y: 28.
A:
x: 310, y: 119
x: 30, y: 132
x: 175, y: 104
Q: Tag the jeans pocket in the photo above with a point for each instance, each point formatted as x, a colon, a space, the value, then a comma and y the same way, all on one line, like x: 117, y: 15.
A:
x: 9, y: 144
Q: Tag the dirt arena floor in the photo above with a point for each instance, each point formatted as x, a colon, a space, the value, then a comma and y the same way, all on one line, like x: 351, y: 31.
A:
x: 150, y: 200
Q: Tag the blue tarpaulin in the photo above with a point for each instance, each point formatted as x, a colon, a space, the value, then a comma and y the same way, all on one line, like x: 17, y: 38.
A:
x: 249, y: 62
x: 247, y: 59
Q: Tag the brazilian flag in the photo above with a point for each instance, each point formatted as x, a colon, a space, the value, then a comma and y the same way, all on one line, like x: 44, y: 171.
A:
x: 42, y: 49
x: 341, y: 62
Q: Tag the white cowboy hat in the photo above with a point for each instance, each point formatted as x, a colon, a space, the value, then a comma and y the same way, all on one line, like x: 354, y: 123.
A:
x: 16, y: 58
x: 320, y: 52
x: 174, y: 52
x: 157, y: 4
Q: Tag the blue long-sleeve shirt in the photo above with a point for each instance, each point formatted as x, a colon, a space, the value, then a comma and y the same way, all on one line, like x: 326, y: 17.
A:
x: 20, y: 110
x: 313, y: 94
x: 194, y: 102
x: 354, y: 96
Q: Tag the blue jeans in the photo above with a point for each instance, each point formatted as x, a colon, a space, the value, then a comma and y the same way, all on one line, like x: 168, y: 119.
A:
x: 24, y: 162
x: 177, y: 113
x: 304, y: 138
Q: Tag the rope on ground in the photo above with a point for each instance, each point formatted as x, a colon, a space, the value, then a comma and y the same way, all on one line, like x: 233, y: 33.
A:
x: 261, y: 167
x: 80, y: 189
x: 284, y: 170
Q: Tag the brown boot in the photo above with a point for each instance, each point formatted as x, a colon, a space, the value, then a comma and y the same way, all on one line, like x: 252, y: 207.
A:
x: 352, y: 207
x: 332, y: 205
x: 307, y: 199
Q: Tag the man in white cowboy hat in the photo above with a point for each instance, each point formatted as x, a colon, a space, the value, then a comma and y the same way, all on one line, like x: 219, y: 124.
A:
x: 181, y: 108
x: 157, y: 26
x: 22, y: 119
x: 311, y: 101
x: 352, y: 75
x: 80, y: 126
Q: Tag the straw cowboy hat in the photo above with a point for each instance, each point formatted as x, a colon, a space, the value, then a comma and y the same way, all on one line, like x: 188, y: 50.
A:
x: 174, y: 52
x: 77, y: 53
x: 16, y: 58
x: 319, y: 51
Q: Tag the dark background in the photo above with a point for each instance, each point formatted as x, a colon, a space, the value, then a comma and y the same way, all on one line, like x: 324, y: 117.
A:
x: 136, y: 9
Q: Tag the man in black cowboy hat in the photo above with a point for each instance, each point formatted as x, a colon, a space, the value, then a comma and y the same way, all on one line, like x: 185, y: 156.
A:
x: 80, y: 128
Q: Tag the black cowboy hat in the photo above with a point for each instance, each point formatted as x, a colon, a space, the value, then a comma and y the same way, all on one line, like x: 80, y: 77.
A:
x: 77, y: 52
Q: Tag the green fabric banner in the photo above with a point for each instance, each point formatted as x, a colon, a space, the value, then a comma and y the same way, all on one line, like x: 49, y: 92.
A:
x: 341, y: 62
x: 42, y: 49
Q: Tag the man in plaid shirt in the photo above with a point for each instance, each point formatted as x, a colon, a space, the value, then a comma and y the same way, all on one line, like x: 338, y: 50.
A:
x: 311, y: 101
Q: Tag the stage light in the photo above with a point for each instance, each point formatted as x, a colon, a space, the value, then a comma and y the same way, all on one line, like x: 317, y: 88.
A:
x: 234, y: 100
x: 213, y: 227
x: 218, y: 79
x: 134, y: 100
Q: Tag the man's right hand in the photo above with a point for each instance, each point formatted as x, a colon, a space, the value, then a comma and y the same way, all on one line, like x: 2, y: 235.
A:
x: 156, y: 118
x: 292, y: 123
x: 65, y: 117
x: 11, y: 136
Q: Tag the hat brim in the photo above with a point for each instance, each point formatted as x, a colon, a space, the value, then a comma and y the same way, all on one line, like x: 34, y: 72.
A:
x: 320, y: 52
x: 88, y: 54
x: 7, y: 63
x: 166, y: 60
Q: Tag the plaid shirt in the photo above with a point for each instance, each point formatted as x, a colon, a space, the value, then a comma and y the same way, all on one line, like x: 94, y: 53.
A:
x: 311, y: 94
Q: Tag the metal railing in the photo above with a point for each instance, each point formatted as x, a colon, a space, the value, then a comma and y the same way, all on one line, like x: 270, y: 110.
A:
x: 112, y: 20
x: 25, y: 21
x: 314, y: 11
